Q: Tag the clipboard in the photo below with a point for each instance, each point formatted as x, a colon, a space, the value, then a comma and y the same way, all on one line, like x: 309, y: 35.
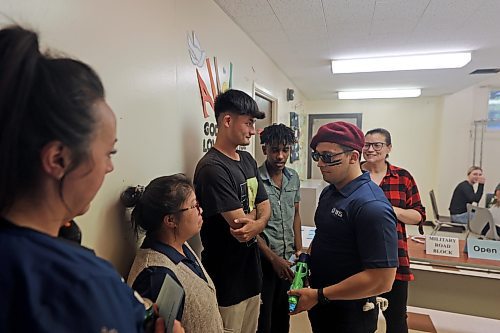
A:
x: 169, y: 301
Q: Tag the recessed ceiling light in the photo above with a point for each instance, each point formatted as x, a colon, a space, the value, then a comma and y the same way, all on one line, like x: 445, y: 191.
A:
x: 401, y: 63
x: 392, y: 93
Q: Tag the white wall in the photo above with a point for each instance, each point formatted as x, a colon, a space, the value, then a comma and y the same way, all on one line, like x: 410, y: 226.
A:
x: 140, y: 51
x: 456, y: 145
x: 432, y: 136
x: 414, y: 124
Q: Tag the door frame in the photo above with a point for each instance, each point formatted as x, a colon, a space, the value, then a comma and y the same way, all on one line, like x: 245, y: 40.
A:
x: 266, y: 94
x: 333, y: 117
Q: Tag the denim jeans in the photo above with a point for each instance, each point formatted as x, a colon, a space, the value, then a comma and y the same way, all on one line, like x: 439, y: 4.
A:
x: 460, y: 218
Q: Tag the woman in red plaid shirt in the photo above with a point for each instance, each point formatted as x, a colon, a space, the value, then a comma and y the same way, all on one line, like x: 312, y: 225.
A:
x: 402, y: 192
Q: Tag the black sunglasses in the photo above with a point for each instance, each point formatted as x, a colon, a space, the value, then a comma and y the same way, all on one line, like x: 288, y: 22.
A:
x: 326, y: 157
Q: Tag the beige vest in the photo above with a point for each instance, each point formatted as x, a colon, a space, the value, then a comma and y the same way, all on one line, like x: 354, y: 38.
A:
x: 201, y: 312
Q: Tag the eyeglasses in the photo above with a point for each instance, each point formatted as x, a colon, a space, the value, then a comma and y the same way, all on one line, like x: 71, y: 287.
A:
x: 376, y: 145
x: 326, y: 157
x: 196, y: 205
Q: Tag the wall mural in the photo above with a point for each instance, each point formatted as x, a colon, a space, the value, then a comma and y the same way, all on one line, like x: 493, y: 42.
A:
x: 223, y: 81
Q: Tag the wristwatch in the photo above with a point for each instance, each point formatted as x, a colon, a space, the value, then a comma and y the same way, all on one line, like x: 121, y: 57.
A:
x: 321, y: 297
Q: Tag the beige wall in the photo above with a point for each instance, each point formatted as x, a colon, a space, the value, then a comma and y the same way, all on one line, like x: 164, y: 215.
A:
x: 432, y: 136
x: 140, y: 51
x: 414, y: 126
x: 455, y: 151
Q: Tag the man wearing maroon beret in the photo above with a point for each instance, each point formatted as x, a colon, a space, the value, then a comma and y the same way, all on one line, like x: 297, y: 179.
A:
x: 354, y: 252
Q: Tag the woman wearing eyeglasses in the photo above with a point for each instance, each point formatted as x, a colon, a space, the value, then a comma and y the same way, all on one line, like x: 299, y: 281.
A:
x: 168, y: 212
x: 402, y: 192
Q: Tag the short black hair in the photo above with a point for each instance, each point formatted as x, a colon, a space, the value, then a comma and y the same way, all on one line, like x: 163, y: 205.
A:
x: 277, y: 134
x: 237, y: 102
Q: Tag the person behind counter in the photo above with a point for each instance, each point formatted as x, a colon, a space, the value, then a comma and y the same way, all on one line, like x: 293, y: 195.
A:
x: 495, y: 212
x: 464, y: 194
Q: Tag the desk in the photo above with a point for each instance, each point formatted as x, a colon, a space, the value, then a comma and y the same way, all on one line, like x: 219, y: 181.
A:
x: 418, y: 255
x: 461, y: 285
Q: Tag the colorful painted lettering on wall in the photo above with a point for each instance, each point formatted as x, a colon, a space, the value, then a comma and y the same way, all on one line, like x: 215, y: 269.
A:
x: 215, y: 89
x: 223, y: 81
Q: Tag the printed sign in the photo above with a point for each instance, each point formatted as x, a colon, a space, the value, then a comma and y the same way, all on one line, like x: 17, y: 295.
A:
x: 483, y: 248
x: 442, y: 246
x: 307, y: 235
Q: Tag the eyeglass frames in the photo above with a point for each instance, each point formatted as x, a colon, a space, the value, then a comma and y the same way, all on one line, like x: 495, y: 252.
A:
x: 328, y: 158
x: 376, y: 145
x: 196, y: 205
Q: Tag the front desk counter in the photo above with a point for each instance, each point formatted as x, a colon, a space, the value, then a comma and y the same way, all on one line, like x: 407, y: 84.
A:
x: 461, y: 285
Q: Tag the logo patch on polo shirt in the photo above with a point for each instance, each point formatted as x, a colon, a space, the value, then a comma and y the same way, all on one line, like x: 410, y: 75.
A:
x: 337, y: 212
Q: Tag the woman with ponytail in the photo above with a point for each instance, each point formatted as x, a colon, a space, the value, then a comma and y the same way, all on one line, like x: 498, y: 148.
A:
x: 401, y: 190
x: 169, y: 214
x: 57, y: 136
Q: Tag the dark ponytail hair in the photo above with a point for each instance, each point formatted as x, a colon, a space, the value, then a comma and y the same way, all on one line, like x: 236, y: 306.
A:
x: 382, y: 131
x: 163, y: 196
x: 42, y: 99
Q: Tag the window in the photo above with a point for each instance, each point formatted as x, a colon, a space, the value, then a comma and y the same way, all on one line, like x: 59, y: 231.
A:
x: 494, y: 110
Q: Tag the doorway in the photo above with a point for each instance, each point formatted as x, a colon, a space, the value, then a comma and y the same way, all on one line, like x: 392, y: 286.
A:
x: 318, y: 120
x: 267, y: 104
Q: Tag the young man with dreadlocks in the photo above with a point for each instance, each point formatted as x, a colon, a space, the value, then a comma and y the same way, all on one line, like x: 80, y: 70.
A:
x: 282, y: 236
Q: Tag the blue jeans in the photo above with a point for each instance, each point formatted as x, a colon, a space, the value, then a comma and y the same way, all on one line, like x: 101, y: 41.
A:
x: 460, y: 218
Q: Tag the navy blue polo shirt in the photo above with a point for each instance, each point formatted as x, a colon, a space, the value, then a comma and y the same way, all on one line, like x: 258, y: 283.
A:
x: 356, y: 230
x: 50, y: 285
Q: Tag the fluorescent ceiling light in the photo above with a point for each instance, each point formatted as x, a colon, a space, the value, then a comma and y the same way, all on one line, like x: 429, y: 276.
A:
x: 365, y: 94
x: 402, y: 63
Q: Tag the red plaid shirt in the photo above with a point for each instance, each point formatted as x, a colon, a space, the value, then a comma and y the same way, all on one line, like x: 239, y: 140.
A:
x: 401, y: 191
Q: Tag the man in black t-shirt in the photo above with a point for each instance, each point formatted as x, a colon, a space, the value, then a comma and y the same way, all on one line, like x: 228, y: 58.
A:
x: 235, y: 210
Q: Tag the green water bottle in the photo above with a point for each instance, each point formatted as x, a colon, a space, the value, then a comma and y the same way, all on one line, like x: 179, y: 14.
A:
x: 301, y: 271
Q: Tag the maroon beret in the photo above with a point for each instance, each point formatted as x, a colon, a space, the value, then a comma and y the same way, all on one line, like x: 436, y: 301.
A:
x: 341, y: 133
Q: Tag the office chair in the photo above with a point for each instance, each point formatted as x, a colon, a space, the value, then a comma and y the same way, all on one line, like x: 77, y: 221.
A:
x: 480, y: 218
x: 440, y: 220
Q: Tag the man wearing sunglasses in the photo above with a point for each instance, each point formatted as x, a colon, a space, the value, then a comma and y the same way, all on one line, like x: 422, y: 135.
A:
x: 354, y: 252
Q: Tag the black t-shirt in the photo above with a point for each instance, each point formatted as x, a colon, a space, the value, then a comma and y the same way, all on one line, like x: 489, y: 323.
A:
x: 223, y: 184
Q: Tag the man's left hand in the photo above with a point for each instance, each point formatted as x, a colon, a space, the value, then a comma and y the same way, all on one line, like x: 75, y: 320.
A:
x: 307, y: 299
x: 250, y: 228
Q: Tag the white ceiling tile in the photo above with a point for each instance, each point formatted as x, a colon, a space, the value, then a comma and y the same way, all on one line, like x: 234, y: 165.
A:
x: 408, y: 10
x: 259, y: 23
x: 302, y: 14
x: 348, y: 10
x: 396, y: 26
x: 301, y: 36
